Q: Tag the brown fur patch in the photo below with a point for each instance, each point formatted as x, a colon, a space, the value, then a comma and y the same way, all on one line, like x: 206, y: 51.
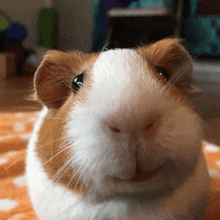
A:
x: 53, y: 156
x: 174, y: 58
x: 53, y: 87
x: 53, y: 78
x: 169, y: 54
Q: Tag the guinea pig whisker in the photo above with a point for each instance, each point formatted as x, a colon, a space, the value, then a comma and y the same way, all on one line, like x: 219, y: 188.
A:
x: 56, y: 100
x: 59, y: 83
x: 55, y: 155
x: 179, y: 72
x: 56, y: 118
x: 17, y: 160
x: 105, y: 47
x: 73, y: 176
x: 79, y: 177
x: 60, y: 175
x: 176, y: 76
x: 32, y: 108
x: 83, y: 182
x: 64, y: 167
x: 61, y: 169
x: 61, y: 80
x: 81, y: 187
x: 49, y: 142
x: 58, y: 151
x: 174, y: 79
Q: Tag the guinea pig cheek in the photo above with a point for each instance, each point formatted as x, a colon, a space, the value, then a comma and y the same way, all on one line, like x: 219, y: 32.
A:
x: 89, y: 145
x: 179, y: 140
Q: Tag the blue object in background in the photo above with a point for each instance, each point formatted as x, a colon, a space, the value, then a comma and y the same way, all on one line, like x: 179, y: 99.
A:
x: 193, y: 6
x: 16, y: 33
x: 202, y: 36
x: 152, y: 3
x: 202, y: 33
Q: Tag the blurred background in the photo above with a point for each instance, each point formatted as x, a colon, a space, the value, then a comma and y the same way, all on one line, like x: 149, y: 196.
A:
x: 28, y: 28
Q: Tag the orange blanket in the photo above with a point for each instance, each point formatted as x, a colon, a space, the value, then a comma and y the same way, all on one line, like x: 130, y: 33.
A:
x: 15, y: 131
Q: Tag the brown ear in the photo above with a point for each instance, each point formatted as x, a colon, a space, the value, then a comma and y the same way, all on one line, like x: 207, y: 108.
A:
x: 54, y: 76
x: 174, y: 58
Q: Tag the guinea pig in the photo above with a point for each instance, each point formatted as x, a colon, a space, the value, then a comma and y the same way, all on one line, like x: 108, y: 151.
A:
x: 117, y: 138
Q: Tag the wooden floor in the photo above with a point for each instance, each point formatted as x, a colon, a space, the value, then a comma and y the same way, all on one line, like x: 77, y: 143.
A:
x: 14, y: 93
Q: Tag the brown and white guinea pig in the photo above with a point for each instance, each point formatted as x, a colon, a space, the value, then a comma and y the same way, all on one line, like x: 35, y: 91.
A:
x: 117, y: 138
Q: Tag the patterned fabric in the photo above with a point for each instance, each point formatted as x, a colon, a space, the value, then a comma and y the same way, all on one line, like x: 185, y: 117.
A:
x: 15, y: 131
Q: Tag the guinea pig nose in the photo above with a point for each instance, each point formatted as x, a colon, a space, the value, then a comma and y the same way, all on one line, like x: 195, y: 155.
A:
x: 114, y: 129
x: 149, y: 129
x: 149, y: 126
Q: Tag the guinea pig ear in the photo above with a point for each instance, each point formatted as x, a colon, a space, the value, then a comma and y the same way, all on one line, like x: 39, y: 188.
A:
x: 174, y: 59
x: 54, y: 76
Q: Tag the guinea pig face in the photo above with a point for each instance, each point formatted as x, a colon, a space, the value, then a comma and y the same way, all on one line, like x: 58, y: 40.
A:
x: 126, y: 122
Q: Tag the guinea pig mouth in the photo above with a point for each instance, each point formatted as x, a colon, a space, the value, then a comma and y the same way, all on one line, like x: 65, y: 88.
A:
x: 142, y: 176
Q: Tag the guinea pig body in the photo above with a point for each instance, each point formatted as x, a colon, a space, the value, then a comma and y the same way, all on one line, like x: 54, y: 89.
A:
x: 117, y: 138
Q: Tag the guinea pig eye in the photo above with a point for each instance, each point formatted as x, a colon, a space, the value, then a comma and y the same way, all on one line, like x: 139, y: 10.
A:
x: 162, y: 72
x: 78, y: 82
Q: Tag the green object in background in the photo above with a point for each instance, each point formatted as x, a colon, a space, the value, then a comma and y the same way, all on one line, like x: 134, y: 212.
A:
x: 3, y: 24
x: 48, y: 28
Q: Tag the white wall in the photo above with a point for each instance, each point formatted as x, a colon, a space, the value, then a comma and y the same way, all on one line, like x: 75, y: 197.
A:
x: 75, y: 21
x: 75, y: 24
x: 26, y: 12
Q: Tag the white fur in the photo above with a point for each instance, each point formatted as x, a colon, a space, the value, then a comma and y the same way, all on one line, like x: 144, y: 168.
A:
x: 124, y: 93
x: 128, y: 89
x: 52, y: 201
